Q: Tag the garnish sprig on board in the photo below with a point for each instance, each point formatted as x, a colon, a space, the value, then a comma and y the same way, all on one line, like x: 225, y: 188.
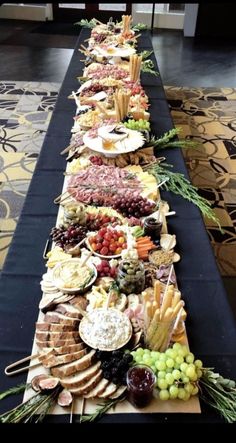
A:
x: 166, y: 141
x: 180, y: 185
x: 219, y: 393
x: 101, y: 410
x: 15, y: 390
x: 139, y: 27
x: 86, y: 23
x: 33, y: 410
x: 147, y: 66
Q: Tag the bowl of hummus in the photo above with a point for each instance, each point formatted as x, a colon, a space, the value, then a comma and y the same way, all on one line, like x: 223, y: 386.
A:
x: 70, y: 277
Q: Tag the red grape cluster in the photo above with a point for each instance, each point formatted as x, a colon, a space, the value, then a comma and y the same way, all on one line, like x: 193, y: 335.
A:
x: 68, y: 236
x: 96, y: 160
x: 132, y: 206
x: 106, y: 270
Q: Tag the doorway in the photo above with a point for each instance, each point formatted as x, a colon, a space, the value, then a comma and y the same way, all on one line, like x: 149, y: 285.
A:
x: 72, y: 12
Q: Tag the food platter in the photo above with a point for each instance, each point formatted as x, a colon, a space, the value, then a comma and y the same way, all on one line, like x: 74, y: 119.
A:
x: 132, y: 141
x: 88, y: 347
x: 113, y: 51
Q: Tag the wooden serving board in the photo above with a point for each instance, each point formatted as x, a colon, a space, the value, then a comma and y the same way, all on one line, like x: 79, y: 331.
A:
x: 89, y: 406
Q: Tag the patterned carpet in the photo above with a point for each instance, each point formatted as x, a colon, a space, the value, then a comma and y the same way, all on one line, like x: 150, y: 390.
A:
x: 208, y: 115
x: 25, y: 112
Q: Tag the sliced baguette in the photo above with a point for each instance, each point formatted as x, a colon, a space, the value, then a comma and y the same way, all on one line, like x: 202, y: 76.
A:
x: 54, y: 327
x: 81, y: 377
x: 118, y: 392
x: 54, y: 343
x: 99, y: 389
x: 67, y: 349
x: 56, y: 317
x: 69, y: 310
x: 76, y: 366
x: 88, y: 385
x: 110, y: 389
x: 51, y: 361
x: 48, y: 335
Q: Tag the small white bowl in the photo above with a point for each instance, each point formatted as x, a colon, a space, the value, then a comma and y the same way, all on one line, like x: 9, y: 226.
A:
x: 75, y: 290
x: 99, y: 255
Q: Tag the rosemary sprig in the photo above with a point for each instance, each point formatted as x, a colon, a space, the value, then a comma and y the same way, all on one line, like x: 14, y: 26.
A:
x: 166, y: 138
x: 148, y: 67
x: 15, y: 390
x: 180, y: 185
x: 145, y: 54
x: 219, y: 393
x: 139, y: 27
x: 101, y: 410
x: 86, y: 23
x: 39, y: 404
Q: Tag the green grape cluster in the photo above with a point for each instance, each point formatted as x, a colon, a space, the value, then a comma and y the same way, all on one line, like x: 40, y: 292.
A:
x: 138, y: 125
x: 176, y: 370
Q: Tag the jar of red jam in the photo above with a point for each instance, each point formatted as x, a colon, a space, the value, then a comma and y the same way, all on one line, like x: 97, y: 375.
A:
x: 140, y: 384
x: 152, y: 228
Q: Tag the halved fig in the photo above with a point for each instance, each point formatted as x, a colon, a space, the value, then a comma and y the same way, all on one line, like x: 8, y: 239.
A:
x: 65, y: 398
x: 35, y: 382
x: 48, y: 383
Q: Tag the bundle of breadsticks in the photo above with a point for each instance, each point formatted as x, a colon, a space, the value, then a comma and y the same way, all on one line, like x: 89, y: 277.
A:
x: 162, y: 313
x: 135, y: 67
x: 121, y: 100
x: 126, y: 21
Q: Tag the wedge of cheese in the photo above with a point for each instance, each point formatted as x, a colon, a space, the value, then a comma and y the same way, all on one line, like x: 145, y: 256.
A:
x: 148, y: 181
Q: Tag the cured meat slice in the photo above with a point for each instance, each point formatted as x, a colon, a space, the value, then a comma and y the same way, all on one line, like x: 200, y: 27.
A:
x: 80, y: 377
x: 88, y: 385
x: 76, y: 366
x: 52, y: 360
x: 99, y: 389
x: 110, y: 389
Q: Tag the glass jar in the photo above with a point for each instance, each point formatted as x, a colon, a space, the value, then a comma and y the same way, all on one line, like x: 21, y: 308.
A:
x: 140, y: 384
x: 131, y: 277
x: 152, y: 228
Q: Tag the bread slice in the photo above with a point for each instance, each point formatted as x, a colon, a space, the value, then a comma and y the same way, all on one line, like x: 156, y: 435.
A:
x: 54, y: 343
x: 110, y: 389
x: 118, y: 392
x: 48, y: 335
x: 88, y: 385
x: 67, y: 349
x: 54, y: 327
x: 56, y: 317
x: 76, y: 366
x: 67, y: 309
x: 80, y: 377
x: 99, y: 389
x: 50, y: 361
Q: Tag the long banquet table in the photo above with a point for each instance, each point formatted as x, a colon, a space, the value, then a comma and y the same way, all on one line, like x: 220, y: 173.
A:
x: 210, y: 324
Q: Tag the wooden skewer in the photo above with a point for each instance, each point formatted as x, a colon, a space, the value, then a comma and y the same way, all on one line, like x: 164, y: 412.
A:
x: 72, y: 410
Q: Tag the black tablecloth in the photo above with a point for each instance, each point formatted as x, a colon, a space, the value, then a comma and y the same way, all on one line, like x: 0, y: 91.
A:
x: 210, y: 324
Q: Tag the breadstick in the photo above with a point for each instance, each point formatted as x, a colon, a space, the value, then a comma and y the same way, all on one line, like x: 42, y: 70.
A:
x: 166, y: 302
x: 176, y: 298
x: 176, y: 309
x: 153, y: 325
x: 147, y: 314
x: 157, y: 292
x: 168, y: 315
